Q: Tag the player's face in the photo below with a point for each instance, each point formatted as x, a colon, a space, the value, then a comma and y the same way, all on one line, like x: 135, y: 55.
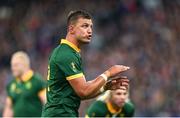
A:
x: 83, y: 30
x: 17, y: 66
x: 119, y: 96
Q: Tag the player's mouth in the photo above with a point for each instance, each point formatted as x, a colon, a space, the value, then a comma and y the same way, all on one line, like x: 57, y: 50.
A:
x: 89, y: 37
x: 121, y: 103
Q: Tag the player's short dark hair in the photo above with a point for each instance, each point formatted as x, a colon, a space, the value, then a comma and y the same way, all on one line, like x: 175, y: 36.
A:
x: 73, y: 16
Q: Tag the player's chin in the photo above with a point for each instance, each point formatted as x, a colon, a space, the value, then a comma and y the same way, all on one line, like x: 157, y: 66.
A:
x: 86, y: 41
x: 15, y: 74
x: 121, y: 104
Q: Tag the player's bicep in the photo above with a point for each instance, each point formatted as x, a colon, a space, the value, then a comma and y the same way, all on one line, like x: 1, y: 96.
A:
x: 78, y: 84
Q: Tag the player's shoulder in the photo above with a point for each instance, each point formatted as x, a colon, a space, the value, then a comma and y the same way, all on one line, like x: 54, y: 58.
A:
x: 63, y: 52
x: 97, y: 109
x: 11, y: 84
x: 129, y: 108
x: 64, y: 49
x: 100, y: 102
x: 12, y: 81
x: 38, y: 82
x: 37, y: 77
x: 98, y: 105
x: 129, y: 104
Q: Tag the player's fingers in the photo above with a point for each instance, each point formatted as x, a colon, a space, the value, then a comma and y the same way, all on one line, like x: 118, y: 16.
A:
x: 120, y: 83
x: 125, y: 80
x: 117, y: 84
x: 123, y: 68
x: 113, y: 87
x: 123, y: 77
x: 113, y: 81
x: 124, y: 84
x: 122, y: 87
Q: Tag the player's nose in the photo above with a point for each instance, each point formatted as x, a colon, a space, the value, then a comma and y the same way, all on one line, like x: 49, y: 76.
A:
x: 89, y: 31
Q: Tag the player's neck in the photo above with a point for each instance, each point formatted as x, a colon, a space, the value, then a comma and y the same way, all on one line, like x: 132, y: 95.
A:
x: 114, y: 106
x: 73, y: 40
x: 24, y: 74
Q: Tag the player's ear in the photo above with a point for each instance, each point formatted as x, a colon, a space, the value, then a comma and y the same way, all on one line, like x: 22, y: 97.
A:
x: 71, y: 29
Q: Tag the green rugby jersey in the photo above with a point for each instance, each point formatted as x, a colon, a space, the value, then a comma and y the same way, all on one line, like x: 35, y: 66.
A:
x: 105, y: 109
x: 64, y: 64
x: 24, y: 95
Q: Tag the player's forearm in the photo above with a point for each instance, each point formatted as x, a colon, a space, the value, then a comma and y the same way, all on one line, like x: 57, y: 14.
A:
x: 7, y: 112
x: 92, y: 88
x: 92, y: 95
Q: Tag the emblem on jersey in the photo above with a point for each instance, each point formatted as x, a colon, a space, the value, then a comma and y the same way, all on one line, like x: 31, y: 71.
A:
x: 28, y: 85
x: 13, y: 87
x: 73, y: 67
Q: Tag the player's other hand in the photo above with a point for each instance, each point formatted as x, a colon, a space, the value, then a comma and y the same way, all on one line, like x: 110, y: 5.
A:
x: 115, y: 70
x: 116, y: 83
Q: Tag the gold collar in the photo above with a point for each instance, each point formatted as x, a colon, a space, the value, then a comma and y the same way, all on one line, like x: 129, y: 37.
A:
x: 64, y: 41
x: 111, y: 108
x: 27, y: 76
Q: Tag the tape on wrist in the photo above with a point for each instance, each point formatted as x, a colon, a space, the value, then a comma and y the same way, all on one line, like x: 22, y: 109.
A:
x: 102, y: 89
x: 104, y: 76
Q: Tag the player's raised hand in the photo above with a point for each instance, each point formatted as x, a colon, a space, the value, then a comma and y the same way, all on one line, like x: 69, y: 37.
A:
x: 116, y: 83
x: 116, y: 69
x: 124, y: 81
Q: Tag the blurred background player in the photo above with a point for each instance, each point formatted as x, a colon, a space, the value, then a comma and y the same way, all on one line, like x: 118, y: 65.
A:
x: 26, y: 92
x: 113, y: 103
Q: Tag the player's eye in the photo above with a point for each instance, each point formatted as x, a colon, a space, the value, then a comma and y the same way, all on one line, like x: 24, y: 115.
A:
x: 91, y: 26
x: 125, y: 93
x: 119, y: 94
x: 85, y: 25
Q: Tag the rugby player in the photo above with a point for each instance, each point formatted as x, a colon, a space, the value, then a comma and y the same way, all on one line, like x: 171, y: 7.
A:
x: 26, y: 93
x: 67, y: 84
x: 113, y: 103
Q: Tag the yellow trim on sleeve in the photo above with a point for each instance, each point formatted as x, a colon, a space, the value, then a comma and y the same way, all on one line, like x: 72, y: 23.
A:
x: 42, y: 92
x: 64, y: 41
x: 75, y: 76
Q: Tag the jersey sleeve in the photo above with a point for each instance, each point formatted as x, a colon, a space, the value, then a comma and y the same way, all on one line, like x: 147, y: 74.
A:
x: 40, y: 83
x: 71, y: 66
x: 8, y: 90
x: 97, y: 109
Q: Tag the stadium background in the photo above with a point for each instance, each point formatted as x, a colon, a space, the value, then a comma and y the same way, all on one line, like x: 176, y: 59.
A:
x: 143, y: 34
